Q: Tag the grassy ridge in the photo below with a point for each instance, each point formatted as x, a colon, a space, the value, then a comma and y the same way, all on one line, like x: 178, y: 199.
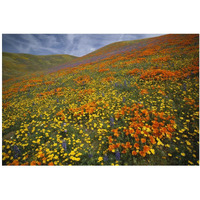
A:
x: 15, y: 65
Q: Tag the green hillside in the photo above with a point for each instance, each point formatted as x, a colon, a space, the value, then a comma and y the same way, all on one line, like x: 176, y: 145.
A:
x: 15, y: 65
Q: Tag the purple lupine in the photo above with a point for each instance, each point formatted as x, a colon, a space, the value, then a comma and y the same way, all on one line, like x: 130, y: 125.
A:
x: 111, y: 121
x: 57, y: 100
x: 105, y: 158
x: 115, y: 84
x: 90, y: 155
x: 117, y: 155
x: 64, y: 145
x: 103, y: 94
x: 16, y: 151
x: 184, y: 87
x: 125, y: 83
x: 124, y: 99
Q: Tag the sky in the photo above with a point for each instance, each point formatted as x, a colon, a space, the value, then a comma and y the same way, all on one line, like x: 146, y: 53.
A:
x: 72, y: 44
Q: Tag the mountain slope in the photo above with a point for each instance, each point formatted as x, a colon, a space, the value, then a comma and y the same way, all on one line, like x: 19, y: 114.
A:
x: 15, y: 65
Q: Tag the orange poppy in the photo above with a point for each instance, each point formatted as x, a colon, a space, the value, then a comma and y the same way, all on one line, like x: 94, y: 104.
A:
x: 33, y: 163
x: 124, y: 151
x: 111, y: 147
x: 137, y: 139
x: 142, y: 153
x: 146, y: 148
x: 153, y: 141
x: 134, y: 153
x: 39, y: 163
x: 15, y: 162
x: 51, y: 164
x: 118, y: 145
x: 143, y: 140
x: 128, y: 145
x: 136, y: 145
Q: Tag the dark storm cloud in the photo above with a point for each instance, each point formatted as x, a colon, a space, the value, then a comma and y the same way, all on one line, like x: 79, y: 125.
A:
x: 72, y: 44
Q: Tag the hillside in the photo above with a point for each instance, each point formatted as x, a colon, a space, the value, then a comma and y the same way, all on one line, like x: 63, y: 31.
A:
x: 156, y: 47
x: 15, y: 65
x: 128, y: 103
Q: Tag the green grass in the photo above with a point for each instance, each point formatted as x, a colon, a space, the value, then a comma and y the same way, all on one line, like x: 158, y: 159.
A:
x: 15, y: 65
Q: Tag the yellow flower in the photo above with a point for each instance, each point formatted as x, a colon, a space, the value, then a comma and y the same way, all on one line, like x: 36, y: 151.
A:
x: 100, y: 159
x: 148, y: 130
x: 169, y: 154
x: 77, y: 159
x: 159, y: 142
x: 190, y: 162
x: 152, y: 151
x: 183, y: 154
x: 188, y: 143
x: 72, y: 153
x: 46, y: 134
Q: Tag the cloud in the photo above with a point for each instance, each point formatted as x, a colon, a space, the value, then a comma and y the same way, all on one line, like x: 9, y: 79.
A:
x: 72, y: 44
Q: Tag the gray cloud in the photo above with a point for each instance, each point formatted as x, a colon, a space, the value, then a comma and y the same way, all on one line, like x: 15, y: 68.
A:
x: 72, y: 44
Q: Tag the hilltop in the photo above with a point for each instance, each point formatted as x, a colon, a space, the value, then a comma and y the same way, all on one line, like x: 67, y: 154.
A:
x: 15, y: 65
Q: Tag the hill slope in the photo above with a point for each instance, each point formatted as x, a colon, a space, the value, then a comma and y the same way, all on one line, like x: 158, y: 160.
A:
x: 129, y: 103
x: 15, y: 65
x: 139, y: 49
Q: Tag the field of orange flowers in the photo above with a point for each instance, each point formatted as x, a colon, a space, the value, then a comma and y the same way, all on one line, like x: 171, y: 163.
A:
x: 130, y: 103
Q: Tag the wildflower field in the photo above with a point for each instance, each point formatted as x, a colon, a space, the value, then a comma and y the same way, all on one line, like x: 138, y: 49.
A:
x: 128, y: 103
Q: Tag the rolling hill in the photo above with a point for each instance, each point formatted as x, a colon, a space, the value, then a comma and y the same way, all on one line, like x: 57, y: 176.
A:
x: 15, y: 65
